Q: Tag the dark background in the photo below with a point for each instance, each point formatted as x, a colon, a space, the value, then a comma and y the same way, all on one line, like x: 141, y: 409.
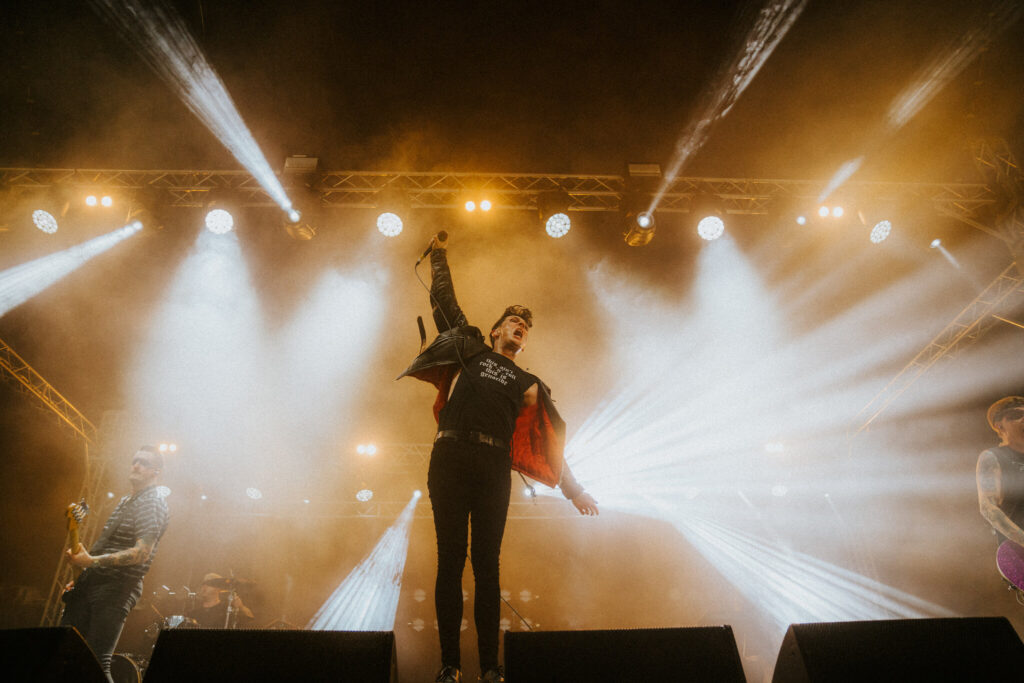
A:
x: 532, y: 87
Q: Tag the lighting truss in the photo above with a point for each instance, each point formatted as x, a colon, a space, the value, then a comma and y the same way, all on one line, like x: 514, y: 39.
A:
x: 427, y: 190
x: 1001, y: 171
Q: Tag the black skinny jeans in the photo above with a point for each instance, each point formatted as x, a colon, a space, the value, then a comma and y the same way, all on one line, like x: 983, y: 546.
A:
x: 99, y: 614
x: 468, y: 483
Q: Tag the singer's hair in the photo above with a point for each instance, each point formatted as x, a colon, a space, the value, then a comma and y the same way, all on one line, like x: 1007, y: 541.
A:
x: 997, y: 411
x: 521, y: 311
x: 158, y: 457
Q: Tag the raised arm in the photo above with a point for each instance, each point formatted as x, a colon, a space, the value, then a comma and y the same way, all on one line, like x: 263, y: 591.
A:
x: 443, y: 304
x: 990, y: 495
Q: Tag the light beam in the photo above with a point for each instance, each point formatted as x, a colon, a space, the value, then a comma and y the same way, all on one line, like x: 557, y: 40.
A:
x: 367, y: 599
x: 158, y: 33
x: 773, y: 22
x: 21, y: 283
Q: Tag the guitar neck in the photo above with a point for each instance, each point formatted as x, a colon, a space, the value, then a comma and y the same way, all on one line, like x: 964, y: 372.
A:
x: 75, y: 514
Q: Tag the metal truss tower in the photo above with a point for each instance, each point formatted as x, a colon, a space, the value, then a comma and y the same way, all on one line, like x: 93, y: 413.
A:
x: 966, y: 328
x: 32, y: 383
x: 1006, y: 212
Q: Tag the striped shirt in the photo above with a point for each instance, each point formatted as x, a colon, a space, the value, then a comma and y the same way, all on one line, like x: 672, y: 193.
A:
x: 143, y: 515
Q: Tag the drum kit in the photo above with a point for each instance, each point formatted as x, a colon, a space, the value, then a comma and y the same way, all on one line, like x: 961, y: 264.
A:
x: 126, y: 667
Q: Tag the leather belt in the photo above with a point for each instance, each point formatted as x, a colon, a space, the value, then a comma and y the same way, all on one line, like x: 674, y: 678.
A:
x: 475, y: 437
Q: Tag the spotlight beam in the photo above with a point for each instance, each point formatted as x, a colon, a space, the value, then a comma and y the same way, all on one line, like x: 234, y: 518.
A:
x: 773, y: 23
x: 686, y: 431
x: 21, y: 283
x: 945, y: 65
x: 367, y: 599
x: 159, y: 35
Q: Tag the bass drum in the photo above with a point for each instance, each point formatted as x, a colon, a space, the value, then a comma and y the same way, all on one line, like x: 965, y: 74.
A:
x: 127, y: 668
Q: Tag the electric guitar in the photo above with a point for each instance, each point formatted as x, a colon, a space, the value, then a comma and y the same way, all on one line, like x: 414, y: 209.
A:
x: 74, y: 514
x: 1010, y: 561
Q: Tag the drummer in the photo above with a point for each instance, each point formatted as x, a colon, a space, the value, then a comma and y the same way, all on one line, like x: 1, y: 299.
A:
x: 211, y: 611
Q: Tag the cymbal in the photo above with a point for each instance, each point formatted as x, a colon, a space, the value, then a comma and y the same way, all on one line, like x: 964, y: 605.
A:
x: 228, y: 584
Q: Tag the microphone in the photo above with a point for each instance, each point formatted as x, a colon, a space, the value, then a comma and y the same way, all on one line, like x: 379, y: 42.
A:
x: 443, y: 235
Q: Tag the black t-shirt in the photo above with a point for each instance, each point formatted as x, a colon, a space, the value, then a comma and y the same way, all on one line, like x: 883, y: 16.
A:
x: 488, y: 398
x: 1011, y: 469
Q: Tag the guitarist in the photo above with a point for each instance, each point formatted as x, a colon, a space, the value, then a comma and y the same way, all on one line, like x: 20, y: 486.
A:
x: 111, y: 584
x: 1000, y: 471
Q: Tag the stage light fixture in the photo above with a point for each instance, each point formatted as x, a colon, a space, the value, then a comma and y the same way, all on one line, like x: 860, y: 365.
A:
x: 936, y: 243
x: 298, y: 226
x: 470, y: 205
x: 710, y: 212
x: 823, y: 211
x: 91, y: 200
x: 254, y: 493
x: 305, y: 219
x: 801, y: 220
x: 880, y: 231
x: 639, y: 229
x: 553, y: 211
x: 389, y: 224
x: 110, y: 494
x: 485, y: 205
x: 147, y: 207
x: 394, y: 205
x: 219, y: 221
x: 364, y: 495
x: 711, y: 228
x: 837, y: 212
x: 45, y: 221
x: 107, y: 201
x: 558, y: 225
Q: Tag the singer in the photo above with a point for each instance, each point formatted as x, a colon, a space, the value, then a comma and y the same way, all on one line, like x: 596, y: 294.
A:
x: 492, y: 416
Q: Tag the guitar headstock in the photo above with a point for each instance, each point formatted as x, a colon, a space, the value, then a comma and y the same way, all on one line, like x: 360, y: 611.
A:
x: 76, y: 512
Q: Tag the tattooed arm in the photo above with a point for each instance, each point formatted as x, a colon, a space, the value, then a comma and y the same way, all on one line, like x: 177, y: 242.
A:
x: 137, y: 554
x: 990, y: 495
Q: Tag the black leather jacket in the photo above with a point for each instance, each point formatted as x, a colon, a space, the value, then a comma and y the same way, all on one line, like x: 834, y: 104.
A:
x: 539, y: 439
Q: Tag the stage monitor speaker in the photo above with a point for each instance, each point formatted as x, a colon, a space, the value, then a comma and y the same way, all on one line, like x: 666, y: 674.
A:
x: 195, y: 655
x: 967, y: 649
x: 624, y: 656
x: 48, y: 655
